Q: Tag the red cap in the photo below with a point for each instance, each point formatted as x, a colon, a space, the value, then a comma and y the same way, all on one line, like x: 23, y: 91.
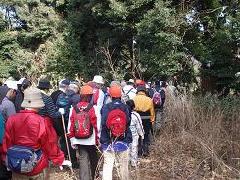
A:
x: 115, y: 91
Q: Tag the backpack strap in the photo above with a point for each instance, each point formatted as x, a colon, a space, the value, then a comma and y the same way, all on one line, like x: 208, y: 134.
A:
x: 129, y: 91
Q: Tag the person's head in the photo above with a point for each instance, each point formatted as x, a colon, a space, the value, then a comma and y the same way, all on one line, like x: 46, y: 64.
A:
x: 130, y: 82
x: 86, y: 93
x: 164, y: 84
x: 12, y: 89
x: 24, y: 84
x: 139, y: 82
x: 115, y: 83
x: 141, y: 89
x: 123, y: 83
x: 32, y: 99
x: 64, y: 84
x: 98, y: 80
x: 131, y: 104
x: 74, y: 87
x: 115, y: 92
x: 44, y: 84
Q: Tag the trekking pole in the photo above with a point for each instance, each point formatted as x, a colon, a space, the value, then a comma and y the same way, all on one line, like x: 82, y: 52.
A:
x: 68, y: 151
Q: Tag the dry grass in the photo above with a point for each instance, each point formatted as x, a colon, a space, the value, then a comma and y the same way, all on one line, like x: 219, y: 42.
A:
x: 200, y: 140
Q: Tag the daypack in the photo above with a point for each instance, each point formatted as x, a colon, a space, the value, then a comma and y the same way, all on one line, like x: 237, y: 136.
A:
x: 83, y: 128
x: 63, y: 101
x: 125, y: 96
x: 117, y: 123
x: 157, y: 100
x: 21, y: 159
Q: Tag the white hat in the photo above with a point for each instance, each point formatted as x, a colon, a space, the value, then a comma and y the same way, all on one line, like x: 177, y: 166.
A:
x: 98, y: 79
x: 32, y: 98
x: 21, y: 81
x: 11, y: 84
x: 131, y: 81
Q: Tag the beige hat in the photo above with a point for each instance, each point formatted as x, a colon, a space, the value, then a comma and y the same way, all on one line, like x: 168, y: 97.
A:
x: 32, y: 98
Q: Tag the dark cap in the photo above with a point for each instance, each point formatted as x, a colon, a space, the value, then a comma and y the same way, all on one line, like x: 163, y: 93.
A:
x: 141, y: 88
x: 44, y: 84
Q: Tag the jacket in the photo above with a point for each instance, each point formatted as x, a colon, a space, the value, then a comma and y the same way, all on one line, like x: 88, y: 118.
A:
x: 93, y: 139
x: 27, y: 128
x: 50, y: 108
x: 130, y: 91
x: 144, y: 105
x: 7, y: 108
x: 105, y: 138
x: 136, y: 125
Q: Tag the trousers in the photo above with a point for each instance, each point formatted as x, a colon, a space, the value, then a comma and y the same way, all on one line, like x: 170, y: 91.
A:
x: 120, y: 159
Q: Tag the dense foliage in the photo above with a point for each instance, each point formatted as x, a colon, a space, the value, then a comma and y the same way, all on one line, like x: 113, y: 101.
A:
x: 122, y: 39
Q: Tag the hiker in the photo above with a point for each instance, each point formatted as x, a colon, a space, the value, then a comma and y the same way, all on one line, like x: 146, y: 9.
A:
x: 7, y: 107
x: 83, y: 133
x: 144, y: 106
x: 150, y: 90
x: 115, y: 135
x: 74, y: 92
x: 66, y: 99
x: 22, y: 84
x: 26, y: 136
x: 136, y: 128
x: 139, y: 82
x: 98, y: 97
x: 4, y: 173
x: 63, y: 86
x: 50, y: 113
x: 108, y: 98
x: 129, y: 92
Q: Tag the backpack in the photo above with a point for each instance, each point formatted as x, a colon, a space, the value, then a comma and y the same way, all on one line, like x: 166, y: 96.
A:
x: 83, y: 128
x: 63, y: 101
x: 125, y: 96
x: 157, y: 100
x: 117, y: 123
x: 21, y: 159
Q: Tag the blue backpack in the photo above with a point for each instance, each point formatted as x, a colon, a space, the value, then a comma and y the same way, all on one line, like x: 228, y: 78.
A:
x: 21, y: 159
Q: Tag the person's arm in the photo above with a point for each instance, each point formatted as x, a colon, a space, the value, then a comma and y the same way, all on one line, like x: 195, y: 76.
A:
x: 139, y: 125
x: 51, y: 149
x: 93, y: 119
x: 10, y: 109
x: 100, y: 100
x: 152, y: 112
x: 104, y: 138
x: 7, y: 139
x: 52, y: 110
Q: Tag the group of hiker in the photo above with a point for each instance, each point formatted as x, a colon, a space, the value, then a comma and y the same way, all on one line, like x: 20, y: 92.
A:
x: 75, y: 124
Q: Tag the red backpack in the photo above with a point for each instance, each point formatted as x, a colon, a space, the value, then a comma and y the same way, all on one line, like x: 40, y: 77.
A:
x: 117, y: 122
x: 83, y: 128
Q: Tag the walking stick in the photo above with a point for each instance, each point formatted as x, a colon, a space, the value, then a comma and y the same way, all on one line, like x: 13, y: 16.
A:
x: 65, y: 135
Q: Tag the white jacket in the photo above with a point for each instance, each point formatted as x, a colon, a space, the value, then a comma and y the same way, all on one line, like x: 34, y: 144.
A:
x: 136, y: 126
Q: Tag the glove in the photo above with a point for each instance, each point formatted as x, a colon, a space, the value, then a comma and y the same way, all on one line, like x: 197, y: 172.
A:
x: 65, y: 163
x: 74, y: 146
x: 61, y: 110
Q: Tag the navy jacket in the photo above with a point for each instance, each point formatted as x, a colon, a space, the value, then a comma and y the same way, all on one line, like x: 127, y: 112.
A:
x: 105, y: 133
